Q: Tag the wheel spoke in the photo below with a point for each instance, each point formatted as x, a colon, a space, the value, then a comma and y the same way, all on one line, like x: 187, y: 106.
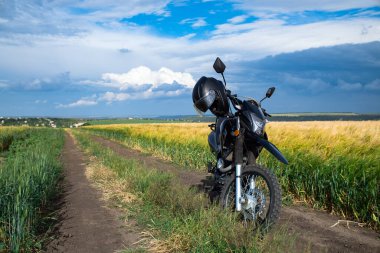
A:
x: 258, y: 206
x: 257, y: 209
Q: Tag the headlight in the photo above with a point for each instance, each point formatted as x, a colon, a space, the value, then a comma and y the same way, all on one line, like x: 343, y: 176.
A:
x: 258, y: 125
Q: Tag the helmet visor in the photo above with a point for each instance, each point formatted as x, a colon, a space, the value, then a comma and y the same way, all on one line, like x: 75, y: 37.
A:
x: 204, y: 103
x: 199, y: 112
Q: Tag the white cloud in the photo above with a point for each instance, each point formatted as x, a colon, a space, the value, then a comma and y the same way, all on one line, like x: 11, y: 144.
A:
x: 273, y: 36
x: 40, y: 101
x: 88, y: 50
x: 42, y: 13
x: 88, y: 55
x: 374, y: 85
x: 3, y: 21
x: 121, y: 8
x: 142, y: 76
x: 195, y: 22
x: 3, y: 84
x: 199, y: 23
x: 85, y: 101
x: 349, y: 86
x: 100, y: 83
x: 110, y: 97
x: 229, y: 28
x: 141, y: 83
x: 271, y: 6
x: 38, y: 83
x: 238, y: 19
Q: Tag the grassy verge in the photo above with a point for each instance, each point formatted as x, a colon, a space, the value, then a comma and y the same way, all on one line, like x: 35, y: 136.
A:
x: 28, y: 179
x: 176, y: 219
x: 333, y: 165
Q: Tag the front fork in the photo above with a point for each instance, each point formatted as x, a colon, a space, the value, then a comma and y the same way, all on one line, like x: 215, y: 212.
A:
x: 238, y: 167
x: 238, y: 188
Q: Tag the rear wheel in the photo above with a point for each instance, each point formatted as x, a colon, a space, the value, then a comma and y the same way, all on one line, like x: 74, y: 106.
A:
x: 261, y: 193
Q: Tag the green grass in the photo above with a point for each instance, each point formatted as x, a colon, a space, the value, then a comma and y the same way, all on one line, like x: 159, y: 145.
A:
x: 333, y: 165
x: 180, y: 218
x: 28, y: 179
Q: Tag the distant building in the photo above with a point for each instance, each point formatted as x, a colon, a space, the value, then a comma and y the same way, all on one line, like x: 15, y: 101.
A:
x: 79, y: 124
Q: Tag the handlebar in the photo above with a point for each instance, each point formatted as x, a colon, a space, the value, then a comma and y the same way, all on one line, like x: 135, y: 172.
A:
x: 233, y: 98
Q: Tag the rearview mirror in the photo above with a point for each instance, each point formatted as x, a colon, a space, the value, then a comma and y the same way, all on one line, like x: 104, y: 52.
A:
x: 219, y: 65
x: 270, y: 92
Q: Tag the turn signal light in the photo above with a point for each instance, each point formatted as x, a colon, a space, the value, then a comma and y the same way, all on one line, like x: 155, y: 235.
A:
x: 236, y: 132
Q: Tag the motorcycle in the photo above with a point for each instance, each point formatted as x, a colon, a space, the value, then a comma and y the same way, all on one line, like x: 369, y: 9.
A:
x: 237, y: 140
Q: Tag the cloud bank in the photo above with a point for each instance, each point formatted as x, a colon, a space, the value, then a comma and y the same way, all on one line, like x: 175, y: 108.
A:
x: 138, y: 83
x: 69, y: 50
x: 142, y: 75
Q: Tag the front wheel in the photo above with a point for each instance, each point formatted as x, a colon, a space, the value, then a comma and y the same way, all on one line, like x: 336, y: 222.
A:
x: 260, y: 194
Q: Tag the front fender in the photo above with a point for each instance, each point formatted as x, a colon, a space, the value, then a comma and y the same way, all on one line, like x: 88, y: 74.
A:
x: 271, y: 148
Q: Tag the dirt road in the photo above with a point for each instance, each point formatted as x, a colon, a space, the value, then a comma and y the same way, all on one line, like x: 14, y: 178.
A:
x: 314, y: 229
x: 86, y: 225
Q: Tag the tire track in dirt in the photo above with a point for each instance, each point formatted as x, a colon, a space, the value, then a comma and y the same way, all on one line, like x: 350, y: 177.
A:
x: 312, y: 227
x: 86, y: 225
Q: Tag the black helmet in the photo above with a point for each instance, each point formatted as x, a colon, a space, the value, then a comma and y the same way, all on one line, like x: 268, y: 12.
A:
x: 209, y: 93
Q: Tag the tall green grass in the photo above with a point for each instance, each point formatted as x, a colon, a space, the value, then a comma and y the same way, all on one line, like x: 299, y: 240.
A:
x: 28, y: 179
x: 333, y: 165
x: 8, y: 134
x: 179, y: 218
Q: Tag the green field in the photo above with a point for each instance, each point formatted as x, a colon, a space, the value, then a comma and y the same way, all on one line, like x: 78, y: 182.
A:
x: 29, y: 173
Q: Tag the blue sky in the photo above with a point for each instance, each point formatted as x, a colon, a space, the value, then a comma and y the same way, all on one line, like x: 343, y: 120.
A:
x: 141, y: 58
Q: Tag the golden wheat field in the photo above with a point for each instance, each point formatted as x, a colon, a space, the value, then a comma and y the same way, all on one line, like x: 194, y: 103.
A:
x: 334, y: 165
x: 319, y: 137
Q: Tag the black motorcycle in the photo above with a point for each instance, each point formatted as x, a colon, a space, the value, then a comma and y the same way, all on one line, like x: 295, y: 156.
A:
x: 237, y: 138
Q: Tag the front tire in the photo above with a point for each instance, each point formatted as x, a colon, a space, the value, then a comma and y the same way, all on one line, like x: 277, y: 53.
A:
x: 262, y: 194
